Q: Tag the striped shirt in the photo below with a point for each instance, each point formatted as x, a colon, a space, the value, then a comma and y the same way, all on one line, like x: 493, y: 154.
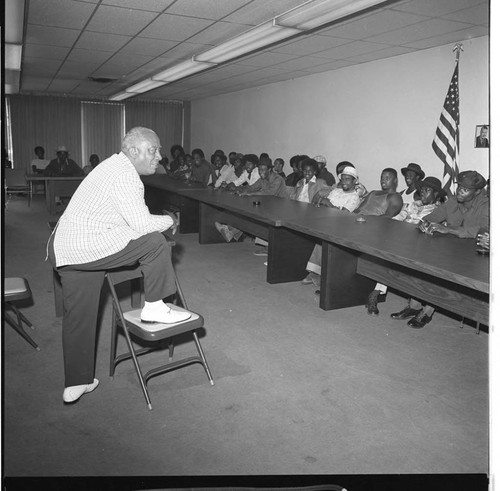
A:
x: 106, y: 212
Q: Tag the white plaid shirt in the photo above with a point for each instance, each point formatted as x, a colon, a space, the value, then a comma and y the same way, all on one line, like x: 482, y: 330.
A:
x: 106, y: 212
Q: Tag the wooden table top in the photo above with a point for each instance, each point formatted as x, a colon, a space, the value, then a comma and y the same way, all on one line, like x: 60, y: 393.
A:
x: 38, y: 177
x: 162, y: 181
x: 443, y: 256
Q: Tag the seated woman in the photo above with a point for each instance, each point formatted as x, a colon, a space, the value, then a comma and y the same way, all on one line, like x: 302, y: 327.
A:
x: 309, y: 185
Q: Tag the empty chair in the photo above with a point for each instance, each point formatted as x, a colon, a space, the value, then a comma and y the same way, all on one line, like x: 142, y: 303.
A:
x: 129, y: 323
x: 15, y: 183
x: 17, y: 289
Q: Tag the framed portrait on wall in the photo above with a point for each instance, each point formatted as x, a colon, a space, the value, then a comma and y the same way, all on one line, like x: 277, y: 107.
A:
x: 482, y: 136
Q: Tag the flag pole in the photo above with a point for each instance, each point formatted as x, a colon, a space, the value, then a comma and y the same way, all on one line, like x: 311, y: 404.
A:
x: 457, y: 48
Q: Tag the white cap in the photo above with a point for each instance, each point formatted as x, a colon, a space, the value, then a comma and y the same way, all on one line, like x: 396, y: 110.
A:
x: 62, y: 148
x: 320, y: 158
x: 350, y: 171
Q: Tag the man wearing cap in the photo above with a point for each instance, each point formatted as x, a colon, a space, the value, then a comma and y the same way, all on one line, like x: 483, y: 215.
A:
x: 412, y: 173
x: 63, y: 166
x: 344, y: 198
x: 430, y: 192
x: 323, y: 172
x: 462, y: 215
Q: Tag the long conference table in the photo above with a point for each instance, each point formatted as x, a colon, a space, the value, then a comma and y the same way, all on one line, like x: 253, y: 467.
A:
x: 441, y: 269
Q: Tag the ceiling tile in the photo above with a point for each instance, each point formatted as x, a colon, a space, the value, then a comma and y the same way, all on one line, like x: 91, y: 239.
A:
x: 435, y: 8
x: 450, y: 37
x: 120, y: 20
x: 415, y: 32
x: 108, y: 70
x: 479, y: 14
x: 86, y: 55
x: 75, y: 69
x: 382, y: 53
x: 47, y: 52
x: 148, y: 46
x: 185, y: 50
x: 215, y: 9
x: 268, y: 58
x: 309, y: 45
x: 62, y: 85
x: 174, y: 27
x: 370, y: 25
x: 348, y: 50
x: 218, y: 33
x: 40, y: 67
x: 128, y: 62
x: 87, y: 87
x: 259, y: 11
x: 35, y: 83
x: 332, y: 65
x: 151, y: 5
x: 101, y: 41
x: 301, y: 63
x: 56, y: 13
x: 53, y: 36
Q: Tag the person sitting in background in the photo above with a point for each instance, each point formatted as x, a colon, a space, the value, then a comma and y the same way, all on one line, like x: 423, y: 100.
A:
x: 323, y: 172
x: 93, y: 162
x: 278, y: 167
x: 309, y: 185
x: 296, y: 175
x: 386, y: 202
x: 269, y: 184
x: 344, y: 198
x: 461, y: 215
x: 183, y: 169
x: 163, y: 166
x: 201, y: 170
x: 412, y: 174
x: 175, y: 152
x: 249, y: 176
x: 430, y: 192
x: 63, y: 166
x: 360, y: 189
x: 39, y: 164
x: 220, y: 166
x: 227, y: 173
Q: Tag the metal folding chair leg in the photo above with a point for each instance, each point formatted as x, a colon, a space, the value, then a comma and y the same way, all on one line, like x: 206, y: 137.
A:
x: 19, y: 328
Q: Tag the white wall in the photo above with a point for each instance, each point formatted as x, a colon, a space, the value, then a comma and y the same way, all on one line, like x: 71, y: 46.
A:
x: 378, y: 114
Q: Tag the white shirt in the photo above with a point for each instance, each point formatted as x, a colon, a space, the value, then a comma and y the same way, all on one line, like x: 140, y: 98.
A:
x: 227, y: 175
x: 349, y: 201
x: 106, y: 212
x: 40, y: 163
x: 254, y: 177
x: 304, y: 193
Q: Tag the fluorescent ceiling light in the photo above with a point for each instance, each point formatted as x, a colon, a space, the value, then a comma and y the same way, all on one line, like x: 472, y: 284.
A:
x: 249, y: 41
x: 316, y: 13
x: 13, y: 53
x: 121, y: 95
x: 181, y: 70
x: 144, y: 86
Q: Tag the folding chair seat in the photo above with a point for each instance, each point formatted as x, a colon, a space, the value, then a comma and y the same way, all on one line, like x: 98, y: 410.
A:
x: 15, y: 183
x: 129, y: 323
x: 18, y: 289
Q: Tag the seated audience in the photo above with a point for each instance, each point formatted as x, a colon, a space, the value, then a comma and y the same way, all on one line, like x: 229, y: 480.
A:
x: 39, y: 164
x: 250, y: 174
x: 461, y: 215
x: 63, y: 166
x: 412, y: 174
x: 175, y: 152
x: 220, y: 166
x: 278, y: 167
x: 201, y: 170
x: 386, y: 202
x: 309, y: 185
x: 228, y: 172
x: 323, y: 172
x: 430, y: 193
x: 360, y: 189
x: 183, y: 171
x: 296, y: 174
x: 93, y: 162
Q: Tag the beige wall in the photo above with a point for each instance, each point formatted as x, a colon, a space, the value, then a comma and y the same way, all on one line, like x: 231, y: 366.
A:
x: 378, y: 114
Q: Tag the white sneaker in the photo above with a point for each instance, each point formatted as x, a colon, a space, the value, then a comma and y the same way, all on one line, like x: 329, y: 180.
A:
x: 224, y: 231
x: 73, y: 393
x: 163, y: 315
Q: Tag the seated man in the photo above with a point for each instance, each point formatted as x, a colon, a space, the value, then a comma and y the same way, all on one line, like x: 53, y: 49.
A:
x: 201, y: 170
x: 220, y: 166
x: 430, y: 192
x: 296, y: 175
x: 278, y: 167
x: 310, y: 185
x: 461, y: 215
x: 386, y: 202
x: 230, y: 172
x: 250, y: 174
x: 105, y: 226
x: 39, y: 164
x: 63, y: 166
x: 93, y: 162
x: 269, y: 184
x: 413, y: 173
x: 344, y: 198
x: 323, y: 172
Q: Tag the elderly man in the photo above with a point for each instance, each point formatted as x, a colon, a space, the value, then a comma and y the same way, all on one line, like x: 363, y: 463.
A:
x: 108, y: 225
x: 63, y: 166
x: 462, y: 215
x: 344, y: 198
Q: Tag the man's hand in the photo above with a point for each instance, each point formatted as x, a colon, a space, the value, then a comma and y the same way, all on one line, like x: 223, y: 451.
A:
x: 173, y: 216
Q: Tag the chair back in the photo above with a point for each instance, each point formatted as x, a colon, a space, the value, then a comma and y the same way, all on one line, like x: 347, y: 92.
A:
x: 15, y: 178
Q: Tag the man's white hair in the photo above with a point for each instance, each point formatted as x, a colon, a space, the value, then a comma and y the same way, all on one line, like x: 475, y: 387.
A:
x: 136, y: 137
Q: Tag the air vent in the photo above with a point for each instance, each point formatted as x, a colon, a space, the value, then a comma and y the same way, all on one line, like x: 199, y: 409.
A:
x: 102, y: 80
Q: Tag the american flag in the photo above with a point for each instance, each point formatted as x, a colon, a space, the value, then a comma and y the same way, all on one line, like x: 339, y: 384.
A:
x: 445, y: 143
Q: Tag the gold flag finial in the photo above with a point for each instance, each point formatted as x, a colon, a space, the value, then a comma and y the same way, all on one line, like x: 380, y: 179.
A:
x: 457, y: 48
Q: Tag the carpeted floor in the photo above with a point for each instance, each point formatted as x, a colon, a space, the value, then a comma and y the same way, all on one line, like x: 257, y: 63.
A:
x: 297, y: 390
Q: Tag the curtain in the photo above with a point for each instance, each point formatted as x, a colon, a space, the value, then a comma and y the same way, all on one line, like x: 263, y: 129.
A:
x: 165, y: 118
x: 47, y: 121
x: 102, y: 129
